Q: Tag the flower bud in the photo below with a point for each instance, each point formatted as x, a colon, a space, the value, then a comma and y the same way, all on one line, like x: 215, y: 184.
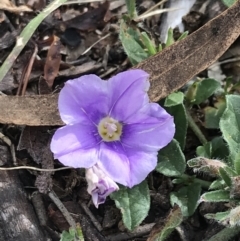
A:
x: 100, y: 185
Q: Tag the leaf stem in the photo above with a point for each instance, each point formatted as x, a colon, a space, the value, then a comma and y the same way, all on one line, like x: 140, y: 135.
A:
x: 195, y: 128
x: 131, y: 8
x: 203, y: 183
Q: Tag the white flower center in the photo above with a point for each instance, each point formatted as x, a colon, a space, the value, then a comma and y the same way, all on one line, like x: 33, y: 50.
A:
x: 109, y: 129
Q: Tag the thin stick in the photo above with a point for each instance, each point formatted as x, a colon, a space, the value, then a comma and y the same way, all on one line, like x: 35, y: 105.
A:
x: 91, y: 216
x: 11, y: 146
x: 29, y: 69
x: 34, y: 168
x: 63, y: 209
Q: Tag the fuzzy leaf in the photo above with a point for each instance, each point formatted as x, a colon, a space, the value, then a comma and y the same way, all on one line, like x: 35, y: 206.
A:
x: 217, y: 184
x: 134, y: 204
x: 174, y: 99
x: 235, y: 217
x: 131, y: 7
x: 216, y: 148
x: 187, y: 198
x: 171, y: 160
x: 161, y: 232
x: 129, y: 39
x: 216, y: 196
x: 67, y: 236
x: 221, y: 216
x: 224, y: 175
x: 201, y: 90
x: 230, y: 126
x: 225, y: 234
x: 212, y: 115
x: 237, y: 165
x: 170, y: 39
x: 148, y: 43
x: 229, y: 3
x: 175, y: 107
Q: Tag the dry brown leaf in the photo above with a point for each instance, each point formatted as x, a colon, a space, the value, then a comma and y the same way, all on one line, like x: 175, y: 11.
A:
x: 90, y: 20
x: 36, y: 110
x: 9, y: 6
x: 53, y: 61
x: 169, y: 70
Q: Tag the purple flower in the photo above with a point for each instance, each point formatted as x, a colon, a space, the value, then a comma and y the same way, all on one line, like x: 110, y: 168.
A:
x: 112, y: 123
x: 99, y: 184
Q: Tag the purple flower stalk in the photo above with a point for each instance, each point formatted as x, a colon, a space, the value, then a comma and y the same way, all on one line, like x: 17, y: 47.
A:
x: 113, y: 124
x: 99, y: 184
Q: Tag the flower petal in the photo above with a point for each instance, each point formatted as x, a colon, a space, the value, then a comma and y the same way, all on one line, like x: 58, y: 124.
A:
x: 99, y: 184
x: 126, y: 166
x: 83, y: 100
x: 127, y: 93
x: 154, y: 130
x: 141, y: 164
x: 72, y: 140
x: 114, y: 162
x: 80, y: 158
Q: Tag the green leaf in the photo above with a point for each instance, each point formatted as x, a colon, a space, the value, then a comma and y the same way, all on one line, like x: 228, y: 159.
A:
x: 175, y: 107
x: 237, y: 165
x: 216, y: 196
x: 183, y: 35
x: 216, y: 148
x: 225, y: 234
x: 174, y: 219
x: 131, y: 8
x: 217, y: 184
x: 171, y: 160
x: 170, y: 39
x: 193, y: 194
x: 224, y: 175
x: 186, y: 198
x: 130, y: 40
x: 221, y: 216
x: 204, y: 150
x: 229, y: 3
x: 201, y: 90
x: 134, y: 204
x: 160, y: 47
x: 230, y: 126
x: 148, y: 43
x: 212, y: 115
x: 174, y: 99
x: 67, y: 236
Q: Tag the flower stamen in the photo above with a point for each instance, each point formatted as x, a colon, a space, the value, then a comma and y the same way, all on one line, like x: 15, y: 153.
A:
x: 109, y: 129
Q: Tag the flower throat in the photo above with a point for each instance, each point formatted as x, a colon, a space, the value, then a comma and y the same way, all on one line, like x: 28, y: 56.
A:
x: 109, y: 129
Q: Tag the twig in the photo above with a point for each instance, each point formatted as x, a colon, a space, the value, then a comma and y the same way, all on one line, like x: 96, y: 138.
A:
x: 88, y: 49
x: 11, y: 146
x: 26, y: 35
x: 63, y: 209
x: 138, y: 232
x: 29, y: 69
x: 155, y: 12
x: 195, y: 128
x: 33, y: 168
x: 90, y: 215
x: 38, y: 204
